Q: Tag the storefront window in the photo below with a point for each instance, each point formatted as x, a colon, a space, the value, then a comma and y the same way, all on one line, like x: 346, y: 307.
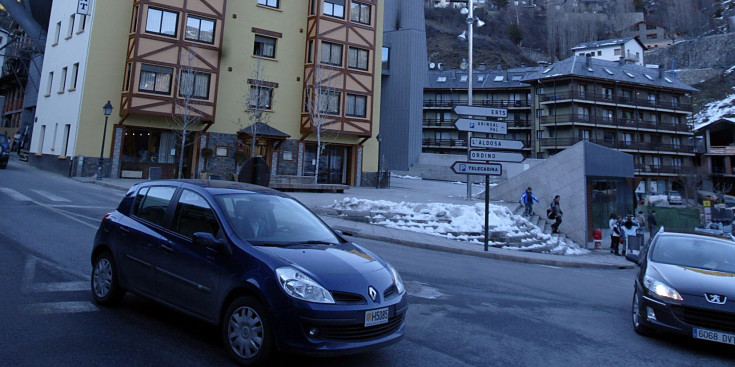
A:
x: 149, y: 146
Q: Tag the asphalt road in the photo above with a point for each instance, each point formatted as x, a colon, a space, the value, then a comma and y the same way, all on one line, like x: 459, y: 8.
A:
x: 464, y: 311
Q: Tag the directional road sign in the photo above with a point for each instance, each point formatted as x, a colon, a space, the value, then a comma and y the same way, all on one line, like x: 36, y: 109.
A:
x: 481, y: 111
x: 473, y: 168
x: 487, y: 155
x: 496, y: 143
x: 481, y: 126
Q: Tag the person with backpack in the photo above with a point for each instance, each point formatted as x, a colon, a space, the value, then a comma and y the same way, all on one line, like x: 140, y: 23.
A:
x: 527, y: 200
x: 556, y: 214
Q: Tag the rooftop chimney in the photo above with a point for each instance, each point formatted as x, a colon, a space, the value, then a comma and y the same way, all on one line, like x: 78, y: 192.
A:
x: 587, y: 59
x: 482, y: 67
x: 621, y: 61
x: 660, y: 71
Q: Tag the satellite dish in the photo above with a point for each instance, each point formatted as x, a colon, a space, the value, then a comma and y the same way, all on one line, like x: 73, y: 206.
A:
x: 432, y: 65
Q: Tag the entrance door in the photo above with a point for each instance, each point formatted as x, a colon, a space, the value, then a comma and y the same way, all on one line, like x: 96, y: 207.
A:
x: 334, y: 165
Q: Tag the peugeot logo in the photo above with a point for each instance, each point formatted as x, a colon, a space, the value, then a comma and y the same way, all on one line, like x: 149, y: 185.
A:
x: 715, y: 298
x: 372, y: 293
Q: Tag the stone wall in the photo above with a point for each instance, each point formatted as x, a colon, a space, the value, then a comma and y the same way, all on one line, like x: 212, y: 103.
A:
x: 222, y: 166
x: 716, y: 52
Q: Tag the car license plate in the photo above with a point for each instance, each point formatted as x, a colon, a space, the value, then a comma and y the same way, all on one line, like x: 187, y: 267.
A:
x: 715, y: 336
x: 376, y: 317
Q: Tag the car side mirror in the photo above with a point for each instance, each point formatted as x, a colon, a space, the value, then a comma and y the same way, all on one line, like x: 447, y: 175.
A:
x: 206, y: 239
x: 633, y: 258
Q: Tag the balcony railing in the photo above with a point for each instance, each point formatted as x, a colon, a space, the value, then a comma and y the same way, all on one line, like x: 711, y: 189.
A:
x: 641, y: 102
x: 617, y: 122
x: 722, y: 150
x: 616, y: 144
x: 504, y: 103
x: 662, y: 169
x: 456, y: 143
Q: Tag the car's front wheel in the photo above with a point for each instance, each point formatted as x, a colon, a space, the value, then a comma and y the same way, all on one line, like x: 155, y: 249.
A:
x: 106, y: 290
x: 246, y: 332
x: 637, y: 317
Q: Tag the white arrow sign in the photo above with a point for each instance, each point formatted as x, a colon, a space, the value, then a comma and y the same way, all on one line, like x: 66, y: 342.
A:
x: 481, y: 126
x: 486, y: 155
x: 471, y: 168
x: 496, y: 143
x: 481, y: 111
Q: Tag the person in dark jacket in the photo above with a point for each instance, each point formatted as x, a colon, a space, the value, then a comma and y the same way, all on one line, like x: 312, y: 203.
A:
x: 652, y: 222
x: 613, y: 223
x: 527, y: 200
x: 556, y: 211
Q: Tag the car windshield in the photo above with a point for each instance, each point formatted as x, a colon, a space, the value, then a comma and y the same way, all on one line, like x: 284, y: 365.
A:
x: 273, y: 220
x: 3, y: 139
x: 699, y: 252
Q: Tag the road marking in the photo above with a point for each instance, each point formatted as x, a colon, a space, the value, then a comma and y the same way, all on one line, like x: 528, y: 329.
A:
x: 50, y: 196
x: 15, y: 195
x: 60, y: 307
x: 59, y: 287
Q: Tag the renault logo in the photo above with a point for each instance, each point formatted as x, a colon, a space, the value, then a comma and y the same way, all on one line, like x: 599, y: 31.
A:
x: 372, y: 293
x: 715, y: 298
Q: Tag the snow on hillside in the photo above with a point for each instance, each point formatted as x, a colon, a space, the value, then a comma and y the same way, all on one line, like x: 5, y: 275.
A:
x: 715, y: 110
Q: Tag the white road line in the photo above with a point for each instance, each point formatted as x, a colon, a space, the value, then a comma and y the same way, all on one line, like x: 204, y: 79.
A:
x: 15, y: 195
x: 60, y: 287
x: 60, y: 307
x: 50, y: 196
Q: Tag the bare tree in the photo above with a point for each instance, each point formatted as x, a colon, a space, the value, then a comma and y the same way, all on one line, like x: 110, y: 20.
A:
x: 257, y: 100
x: 322, y: 102
x: 186, y: 117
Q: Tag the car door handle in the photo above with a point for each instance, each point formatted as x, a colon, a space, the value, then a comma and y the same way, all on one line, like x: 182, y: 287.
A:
x: 168, y: 248
x: 125, y: 229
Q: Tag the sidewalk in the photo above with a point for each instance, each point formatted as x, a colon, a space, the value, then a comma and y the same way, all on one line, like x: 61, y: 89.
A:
x: 421, y: 191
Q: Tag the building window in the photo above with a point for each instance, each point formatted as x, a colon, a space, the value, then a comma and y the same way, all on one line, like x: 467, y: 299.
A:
x: 269, y: 3
x: 360, y: 13
x: 312, y: 9
x: 82, y: 23
x: 74, y: 76
x: 355, y: 105
x: 329, y: 102
x: 334, y: 8
x: 599, y: 53
x: 62, y: 85
x: 199, y: 29
x: 310, y: 52
x: 357, y: 58
x: 155, y: 79
x: 58, y: 31
x: 161, y: 22
x: 194, y: 85
x: 128, y: 72
x: 386, y: 58
x: 261, y: 97
x: 676, y: 162
x: 331, y: 54
x: 265, y: 47
x: 676, y: 143
x: 617, y: 52
x: 50, y: 83
x: 70, y: 30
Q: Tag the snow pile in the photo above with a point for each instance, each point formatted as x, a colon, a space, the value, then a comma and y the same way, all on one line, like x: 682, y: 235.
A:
x: 658, y: 200
x: 461, y: 222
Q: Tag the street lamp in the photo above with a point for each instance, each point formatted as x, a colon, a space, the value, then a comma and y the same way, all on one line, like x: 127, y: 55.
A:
x: 471, y: 19
x: 380, y: 166
x: 107, y: 110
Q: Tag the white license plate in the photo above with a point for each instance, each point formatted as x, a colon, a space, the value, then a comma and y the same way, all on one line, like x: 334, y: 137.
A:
x: 715, y: 336
x: 376, y: 317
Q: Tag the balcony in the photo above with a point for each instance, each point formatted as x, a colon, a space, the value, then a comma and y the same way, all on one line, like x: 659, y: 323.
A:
x: 444, y: 143
x: 617, y: 122
x: 722, y: 150
x: 662, y: 169
x: 548, y: 143
x: 612, y: 99
x: 502, y: 103
x: 443, y: 124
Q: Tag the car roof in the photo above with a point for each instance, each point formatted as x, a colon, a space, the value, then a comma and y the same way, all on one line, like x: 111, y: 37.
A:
x: 218, y: 186
x: 694, y: 234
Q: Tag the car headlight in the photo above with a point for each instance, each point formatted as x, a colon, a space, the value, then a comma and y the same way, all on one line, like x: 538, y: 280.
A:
x: 298, y: 285
x: 660, y: 289
x: 397, y: 279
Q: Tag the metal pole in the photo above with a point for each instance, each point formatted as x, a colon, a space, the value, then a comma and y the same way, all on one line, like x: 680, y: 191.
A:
x: 377, y: 185
x: 487, y: 208
x: 470, y: 22
x: 102, y: 150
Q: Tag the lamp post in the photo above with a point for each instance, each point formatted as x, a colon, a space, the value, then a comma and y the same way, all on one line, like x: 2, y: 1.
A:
x: 471, y: 19
x: 107, y: 110
x: 380, y: 166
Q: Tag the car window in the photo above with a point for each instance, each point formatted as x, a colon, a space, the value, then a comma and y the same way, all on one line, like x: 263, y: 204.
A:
x: 194, y: 214
x: 701, y: 252
x: 3, y: 139
x: 153, y: 206
x: 272, y: 219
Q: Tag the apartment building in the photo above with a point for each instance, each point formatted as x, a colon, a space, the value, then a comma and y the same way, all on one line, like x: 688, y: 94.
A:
x: 236, y: 76
x: 717, y: 146
x: 629, y: 48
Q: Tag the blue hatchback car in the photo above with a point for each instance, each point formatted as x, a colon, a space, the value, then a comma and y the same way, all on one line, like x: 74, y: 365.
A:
x: 252, y: 260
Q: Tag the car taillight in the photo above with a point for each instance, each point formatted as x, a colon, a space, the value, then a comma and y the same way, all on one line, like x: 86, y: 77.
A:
x: 105, y: 218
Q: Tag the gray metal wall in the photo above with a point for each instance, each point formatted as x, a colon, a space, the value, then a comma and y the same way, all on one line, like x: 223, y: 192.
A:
x: 401, y: 111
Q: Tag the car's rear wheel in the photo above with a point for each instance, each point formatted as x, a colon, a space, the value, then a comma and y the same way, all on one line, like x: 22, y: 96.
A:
x: 106, y: 290
x: 637, y: 317
x: 246, y: 332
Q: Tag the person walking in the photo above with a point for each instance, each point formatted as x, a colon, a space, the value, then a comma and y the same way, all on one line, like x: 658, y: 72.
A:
x: 652, y: 223
x: 614, y: 233
x: 641, y: 219
x: 629, y: 230
x: 557, y: 213
x: 527, y: 200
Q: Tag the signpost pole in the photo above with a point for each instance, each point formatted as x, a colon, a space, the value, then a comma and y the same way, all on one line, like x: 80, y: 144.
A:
x: 487, y: 208
x: 470, y: 24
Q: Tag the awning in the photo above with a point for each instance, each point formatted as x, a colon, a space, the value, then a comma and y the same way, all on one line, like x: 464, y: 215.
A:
x: 262, y: 129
